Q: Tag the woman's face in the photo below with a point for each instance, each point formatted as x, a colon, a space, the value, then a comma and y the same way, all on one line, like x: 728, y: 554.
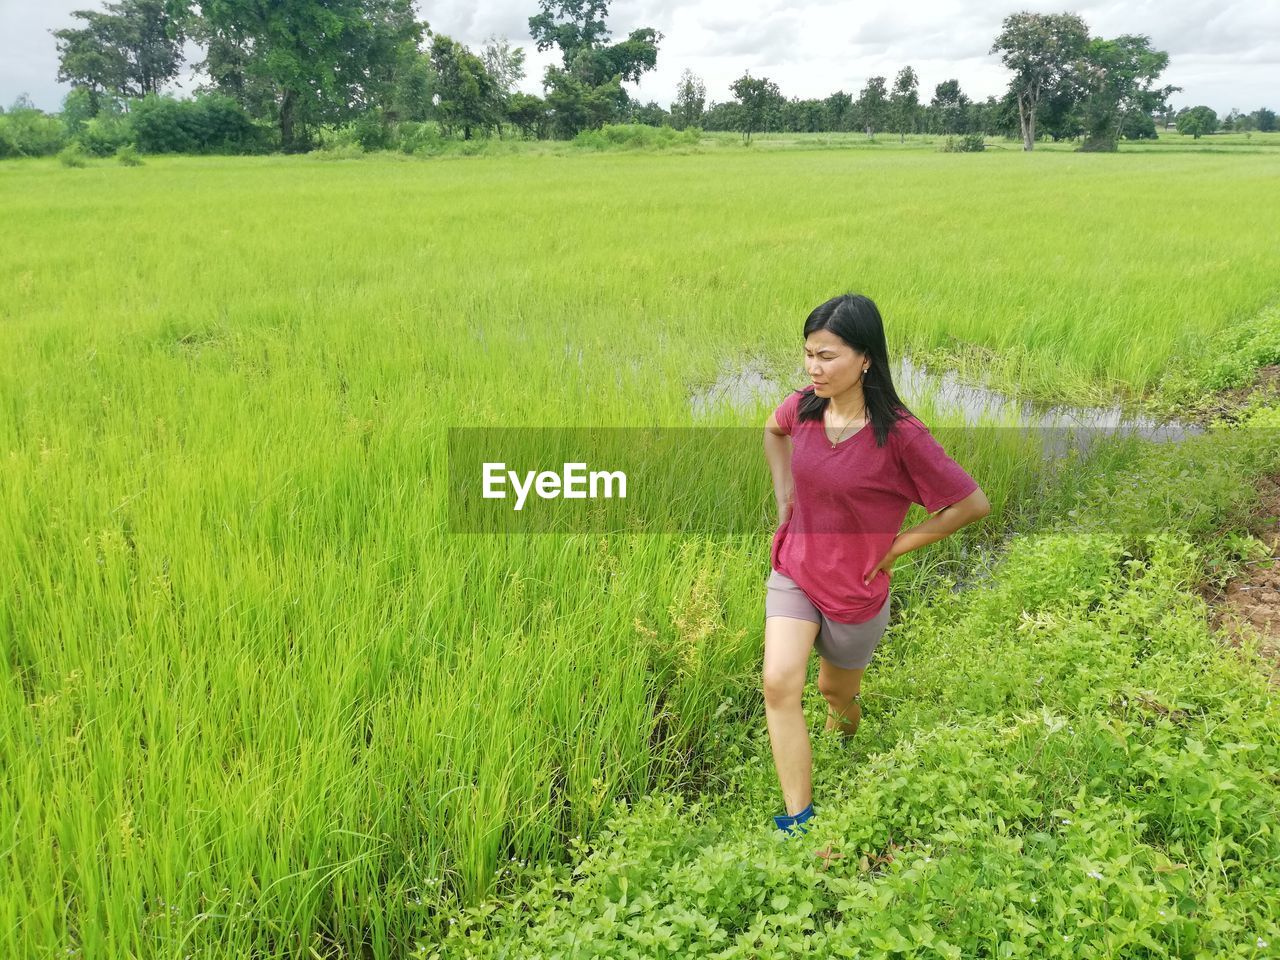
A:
x: 832, y: 364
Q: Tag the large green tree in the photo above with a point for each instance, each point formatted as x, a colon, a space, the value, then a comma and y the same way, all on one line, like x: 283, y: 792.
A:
x: 904, y: 101
x: 756, y: 95
x: 948, y: 108
x: 691, y: 97
x: 587, y: 91
x: 570, y: 26
x: 1120, y: 79
x: 872, y: 106
x: 129, y: 49
x: 1043, y: 50
x: 468, y: 95
x: 307, y: 62
x: 1197, y: 121
x: 838, y: 108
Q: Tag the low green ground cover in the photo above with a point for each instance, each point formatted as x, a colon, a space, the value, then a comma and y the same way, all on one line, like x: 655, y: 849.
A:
x: 1062, y: 762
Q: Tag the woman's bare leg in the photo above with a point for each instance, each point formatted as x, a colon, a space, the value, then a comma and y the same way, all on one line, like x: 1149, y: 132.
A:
x: 788, y: 642
x: 839, y: 687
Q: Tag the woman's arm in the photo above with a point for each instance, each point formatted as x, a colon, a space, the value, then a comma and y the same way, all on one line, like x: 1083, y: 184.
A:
x: 942, y: 524
x: 777, y: 451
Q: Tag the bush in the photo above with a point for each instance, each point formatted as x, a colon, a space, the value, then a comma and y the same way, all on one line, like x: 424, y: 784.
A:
x: 335, y: 150
x: 968, y: 143
x: 72, y: 155
x: 1101, y: 144
x: 104, y: 134
x: 420, y: 138
x: 635, y: 136
x: 372, y: 131
x: 28, y: 132
x: 128, y: 156
x: 212, y: 123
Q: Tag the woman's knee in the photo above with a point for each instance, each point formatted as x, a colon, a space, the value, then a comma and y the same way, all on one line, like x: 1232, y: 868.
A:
x: 783, y: 686
x: 839, y: 690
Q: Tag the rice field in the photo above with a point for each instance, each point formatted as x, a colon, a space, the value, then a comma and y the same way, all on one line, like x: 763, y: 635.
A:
x: 263, y: 701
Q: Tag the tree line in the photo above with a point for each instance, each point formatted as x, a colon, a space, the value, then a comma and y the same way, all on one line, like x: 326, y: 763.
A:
x: 280, y: 74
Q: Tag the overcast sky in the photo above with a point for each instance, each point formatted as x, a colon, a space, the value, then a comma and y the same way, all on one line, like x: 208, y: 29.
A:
x: 1222, y: 53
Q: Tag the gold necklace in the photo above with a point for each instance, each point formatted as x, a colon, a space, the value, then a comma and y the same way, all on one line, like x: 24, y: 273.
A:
x: 846, y: 427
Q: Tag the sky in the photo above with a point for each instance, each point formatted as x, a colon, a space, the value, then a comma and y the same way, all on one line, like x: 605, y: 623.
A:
x: 1222, y: 53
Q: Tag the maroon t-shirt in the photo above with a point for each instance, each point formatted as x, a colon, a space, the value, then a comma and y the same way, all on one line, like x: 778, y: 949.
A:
x: 850, y: 504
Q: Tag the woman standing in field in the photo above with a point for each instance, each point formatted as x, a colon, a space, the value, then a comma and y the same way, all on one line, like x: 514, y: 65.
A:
x: 848, y: 460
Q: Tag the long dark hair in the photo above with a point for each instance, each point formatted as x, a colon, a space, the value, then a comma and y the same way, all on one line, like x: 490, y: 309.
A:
x: 855, y: 320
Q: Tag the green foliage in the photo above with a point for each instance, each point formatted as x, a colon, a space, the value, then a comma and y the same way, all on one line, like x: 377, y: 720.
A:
x: 1197, y: 121
x: 469, y: 98
x: 130, y: 49
x: 969, y: 143
x: 28, y: 132
x: 587, y: 91
x: 127, y: 156
x: 570, y: 25
x: 755, y: 95
x: 1099, y: 144
x: 104, y: 134
x: 78, y: 106
x: 211, y: 123
x: 373, y: 131
x: 420, y: 138
x: 690, y: 99
x: 635, y: 136
x: 1227, y: 360
x: 529, y: 113
x: 72, y: 155
x: 1042, y: 50
x: 904, y: 101
x: 1063, y: 762
x: 872, y: 106
x: 575, y: 105
x: 1118, y: 81
x: 309, y: 62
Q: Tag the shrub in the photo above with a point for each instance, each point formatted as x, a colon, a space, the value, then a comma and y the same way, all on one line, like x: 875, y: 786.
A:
x: 372, y: 131
x: 968, y: 143
x: 128, y: 156
x: 28, y: 132
x: 72, y: 155
x: 635, y: 136
x: 212, y: 123
x: 1100, y: 144
x: 420, y: 138
x: 103, y: 135
x: 335, y: 150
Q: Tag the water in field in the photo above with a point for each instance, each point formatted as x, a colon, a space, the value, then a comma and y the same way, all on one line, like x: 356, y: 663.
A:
x: 749, y: 385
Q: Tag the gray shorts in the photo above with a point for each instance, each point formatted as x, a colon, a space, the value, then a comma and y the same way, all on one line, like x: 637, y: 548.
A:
x: 847, y: 645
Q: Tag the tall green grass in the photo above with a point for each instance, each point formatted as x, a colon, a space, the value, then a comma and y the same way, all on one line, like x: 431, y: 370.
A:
x: 261, y: 700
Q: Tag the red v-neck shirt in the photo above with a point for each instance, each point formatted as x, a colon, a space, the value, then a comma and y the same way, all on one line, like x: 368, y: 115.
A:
x: 850, y: 504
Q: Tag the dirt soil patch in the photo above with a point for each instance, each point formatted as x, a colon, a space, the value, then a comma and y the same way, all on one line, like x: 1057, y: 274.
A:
x: 1249, y: 605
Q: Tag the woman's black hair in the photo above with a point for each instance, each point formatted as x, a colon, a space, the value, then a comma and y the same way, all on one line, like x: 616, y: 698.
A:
x: 855, y: 320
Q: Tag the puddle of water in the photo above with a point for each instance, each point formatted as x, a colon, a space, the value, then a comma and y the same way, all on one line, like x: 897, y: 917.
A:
x: 750, y: 385
x: 978, y: 403
x: 741, y: 388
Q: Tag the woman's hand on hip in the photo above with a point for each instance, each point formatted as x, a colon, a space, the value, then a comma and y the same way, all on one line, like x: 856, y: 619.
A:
x: 886, y: 564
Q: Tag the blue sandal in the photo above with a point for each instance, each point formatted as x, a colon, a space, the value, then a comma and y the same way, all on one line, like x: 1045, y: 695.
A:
x: 788, y: 823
